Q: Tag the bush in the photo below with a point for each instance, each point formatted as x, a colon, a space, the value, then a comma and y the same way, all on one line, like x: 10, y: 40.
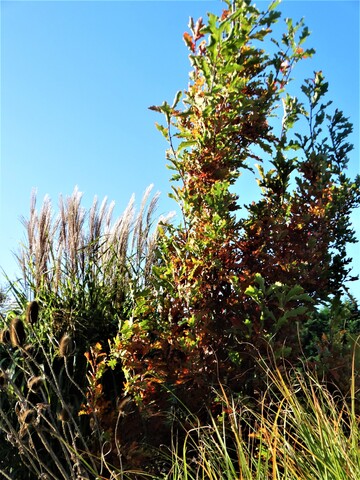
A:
x: 230, y: 288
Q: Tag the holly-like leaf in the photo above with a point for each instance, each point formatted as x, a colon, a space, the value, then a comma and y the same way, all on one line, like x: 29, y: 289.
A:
x: 189, y: 42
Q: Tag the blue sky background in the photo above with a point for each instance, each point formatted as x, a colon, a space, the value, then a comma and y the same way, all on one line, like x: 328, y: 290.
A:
x: 77, y: 78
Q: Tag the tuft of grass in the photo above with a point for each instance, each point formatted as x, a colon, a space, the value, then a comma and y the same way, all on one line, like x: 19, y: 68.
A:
x: 298, y: 431
x: 82, y: 267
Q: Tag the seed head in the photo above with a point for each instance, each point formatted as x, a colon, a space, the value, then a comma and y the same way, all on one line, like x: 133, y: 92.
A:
x: 32, y: 312
x: 29, y: 349
x: 5, y: 336
x: 35, y: 383
x: 17, y: 332
x: 66, y: 346
x: 28, y: 416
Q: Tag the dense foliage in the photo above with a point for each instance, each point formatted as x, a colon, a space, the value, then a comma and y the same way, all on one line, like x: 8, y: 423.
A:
x: 123, y: 331
x: 231, y: 286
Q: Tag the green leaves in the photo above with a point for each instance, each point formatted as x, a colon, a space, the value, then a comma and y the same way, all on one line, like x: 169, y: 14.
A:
x: 163, y: 130
x: 292, y: 109
x: 315, y: 88
x: 340, y: 128
x: 273, y: 5
x: 278, y: 302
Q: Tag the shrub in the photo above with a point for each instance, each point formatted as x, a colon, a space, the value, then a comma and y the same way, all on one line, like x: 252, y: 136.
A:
x: 229, y: 287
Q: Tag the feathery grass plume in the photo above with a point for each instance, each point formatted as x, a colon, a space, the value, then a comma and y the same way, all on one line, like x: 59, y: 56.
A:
x: 117, y: 240
x: 27, y: 251
x: 32, y: 312
x: 141, y: 228
x: 35, y: 383
x: 36, y: 256
x: 152, y: 242
x: 72, y: 219
x: 66, y: 346
x: 17, y: 332
x: 44, y: 239
x: 114, y: 252
x: 5, y: 336
x: 98, y: 220
x: 79, y: 247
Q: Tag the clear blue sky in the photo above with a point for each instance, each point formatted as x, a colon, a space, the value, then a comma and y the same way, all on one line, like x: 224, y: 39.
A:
x: 77, y: 78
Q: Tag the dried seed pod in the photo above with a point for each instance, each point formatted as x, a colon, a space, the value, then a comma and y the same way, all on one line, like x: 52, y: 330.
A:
x: 32, y: 312
x: 66, y: 346
x: 5, y: 336
x: 28, y: 416
x: 17, y: 332
x: 35, y: 383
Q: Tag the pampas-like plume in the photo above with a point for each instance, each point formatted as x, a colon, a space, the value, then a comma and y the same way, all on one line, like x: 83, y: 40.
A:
x: 36, y: 257
x: 64, y: 246
x: 142, y: 228
x: 17, y: 332
x: 66, y: 346
x: 32, y: 312
x: 71, y: 238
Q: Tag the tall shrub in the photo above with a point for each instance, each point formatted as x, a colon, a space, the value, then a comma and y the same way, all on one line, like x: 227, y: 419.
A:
x: 236, y: 280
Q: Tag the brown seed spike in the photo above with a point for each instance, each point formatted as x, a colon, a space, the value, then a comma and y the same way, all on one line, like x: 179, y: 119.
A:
x: 5, y: 336
x: 29, y: 349
x: 28, y: 416
x: 32, y: 312
x: 35, y: 383
x: 66, y: 347
x: 17, y: 332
